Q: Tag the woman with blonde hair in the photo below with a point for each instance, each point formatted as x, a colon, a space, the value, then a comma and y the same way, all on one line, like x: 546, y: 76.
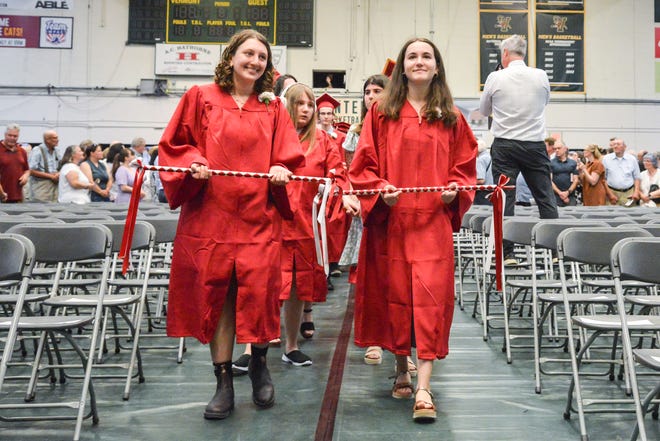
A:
x: 592, y: 177
x: 303, y: 279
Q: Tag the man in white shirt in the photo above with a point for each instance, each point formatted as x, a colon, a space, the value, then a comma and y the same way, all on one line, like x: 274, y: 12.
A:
x: 516, y: 96
x: 621, y: 174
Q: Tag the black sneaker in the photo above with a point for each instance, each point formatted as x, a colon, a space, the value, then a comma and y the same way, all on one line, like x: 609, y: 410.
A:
x: 297, y: 358
x: 331, y: 287
x: 240, y: 366
x: 334, y: 270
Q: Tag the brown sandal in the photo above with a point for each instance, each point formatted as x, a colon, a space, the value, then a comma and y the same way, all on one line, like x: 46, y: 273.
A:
x: 402, y: 391
x: 422, y: 413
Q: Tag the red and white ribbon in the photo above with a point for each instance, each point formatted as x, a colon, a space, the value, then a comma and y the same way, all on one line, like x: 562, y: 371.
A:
x: 131, y: 216
x: 497, y: 198
x: 373, y: 191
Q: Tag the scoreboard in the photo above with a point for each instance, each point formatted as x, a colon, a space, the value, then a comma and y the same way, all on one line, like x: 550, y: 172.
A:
x: 282, y: 22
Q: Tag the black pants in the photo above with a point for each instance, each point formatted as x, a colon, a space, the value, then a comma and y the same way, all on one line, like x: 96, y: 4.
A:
x: 531, y: 159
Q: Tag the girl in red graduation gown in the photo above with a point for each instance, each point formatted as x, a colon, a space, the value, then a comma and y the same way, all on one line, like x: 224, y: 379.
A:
x: 225, y: 278
x: 405, y: 289
x: 303, y: 279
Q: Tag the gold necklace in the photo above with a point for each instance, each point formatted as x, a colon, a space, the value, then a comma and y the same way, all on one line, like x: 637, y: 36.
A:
x: 240, y: 100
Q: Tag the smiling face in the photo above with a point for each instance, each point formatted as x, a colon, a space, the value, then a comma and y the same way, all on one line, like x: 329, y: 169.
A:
x: 249, y: 62
x: 77, y: 155
x: 419, y: 63
x: 371, y: 93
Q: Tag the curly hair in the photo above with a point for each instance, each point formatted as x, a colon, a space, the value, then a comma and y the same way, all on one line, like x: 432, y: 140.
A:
x: 224, y: 73
x: 438, y: 97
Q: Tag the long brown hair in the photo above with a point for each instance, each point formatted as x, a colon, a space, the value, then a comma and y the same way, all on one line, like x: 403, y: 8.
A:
x: 293, y: 95
x: 438, y: 97
x: 224, y: 73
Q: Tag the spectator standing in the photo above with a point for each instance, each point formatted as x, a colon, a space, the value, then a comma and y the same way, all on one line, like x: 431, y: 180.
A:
x: 97, y: 171
x: 44, y: 174
x: 124, y: 176
x: 592, y: 177
x: 564, y: 176
x: 484, y: 172
x: 139, y: 148
x: 621, y: 174
x: 650, y: 181
x: 516, y: 96
x: 73, y: 185
x: 14, y: 167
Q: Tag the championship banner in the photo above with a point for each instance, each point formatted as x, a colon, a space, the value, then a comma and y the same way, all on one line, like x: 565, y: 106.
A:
x: 560, y: 49
x: 494, y: 28
x: 36, y: 32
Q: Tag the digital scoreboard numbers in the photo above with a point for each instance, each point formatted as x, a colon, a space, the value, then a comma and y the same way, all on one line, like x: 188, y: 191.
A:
x: 283, y: 22
x: 213, y: 21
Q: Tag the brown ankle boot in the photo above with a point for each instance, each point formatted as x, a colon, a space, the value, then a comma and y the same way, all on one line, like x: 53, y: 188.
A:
x: 263, y: 392
x: 222, y: 402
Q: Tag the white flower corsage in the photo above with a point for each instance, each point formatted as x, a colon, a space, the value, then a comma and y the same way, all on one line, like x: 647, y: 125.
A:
x: 266, y: 97
x: 438, y: 112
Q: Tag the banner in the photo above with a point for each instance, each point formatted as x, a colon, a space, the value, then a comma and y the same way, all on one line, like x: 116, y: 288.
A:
x: 36, y: 32
x: 36, y: 5
x: 560, y: 49
x: 657, y: 59
x: 187, y: 59
x: 503, y: 5
x: 495, y: 27
x: 560, y: 5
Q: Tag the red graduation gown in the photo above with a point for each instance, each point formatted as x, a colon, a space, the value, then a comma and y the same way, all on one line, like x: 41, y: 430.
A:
x: 297, y: 234
x: 406, y: 262
x: 226, y: 224
x: 338, y: 221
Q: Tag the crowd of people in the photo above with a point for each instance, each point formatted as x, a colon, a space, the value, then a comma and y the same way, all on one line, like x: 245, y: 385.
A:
x: 78, y: 173
x: 593, y: 176
x: 245, y: 247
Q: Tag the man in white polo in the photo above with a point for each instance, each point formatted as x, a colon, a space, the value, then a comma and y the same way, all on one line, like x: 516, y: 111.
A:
x: 516, y: 97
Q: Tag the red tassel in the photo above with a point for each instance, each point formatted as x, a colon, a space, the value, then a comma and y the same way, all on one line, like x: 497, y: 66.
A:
x: 131, y: 217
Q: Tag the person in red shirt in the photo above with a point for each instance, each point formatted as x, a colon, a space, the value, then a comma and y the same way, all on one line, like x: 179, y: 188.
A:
x: 225, y: 278
x: 14, y: 168
x: 414, y: 136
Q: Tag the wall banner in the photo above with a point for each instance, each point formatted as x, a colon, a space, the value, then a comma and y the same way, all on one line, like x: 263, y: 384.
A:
x: 560, y: 5
x: 187, y: 59
x: 560, y: 49
x: 36, y: 32
x: 494, y: 28
x: 45, y: 6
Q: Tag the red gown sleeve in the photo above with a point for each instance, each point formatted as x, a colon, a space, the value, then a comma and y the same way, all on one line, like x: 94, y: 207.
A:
x: 365, y: 171
x: 181, y: 146
x: 463, y: 169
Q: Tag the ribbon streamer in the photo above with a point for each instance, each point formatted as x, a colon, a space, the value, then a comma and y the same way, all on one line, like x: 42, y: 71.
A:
x: 373, y: 191
x: 131, y: 216
x: 318, y: 220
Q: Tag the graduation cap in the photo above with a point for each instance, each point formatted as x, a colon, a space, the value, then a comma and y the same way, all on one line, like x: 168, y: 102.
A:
x: 326, y: 100
x: 389, y: 67
x: 342, y: 126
